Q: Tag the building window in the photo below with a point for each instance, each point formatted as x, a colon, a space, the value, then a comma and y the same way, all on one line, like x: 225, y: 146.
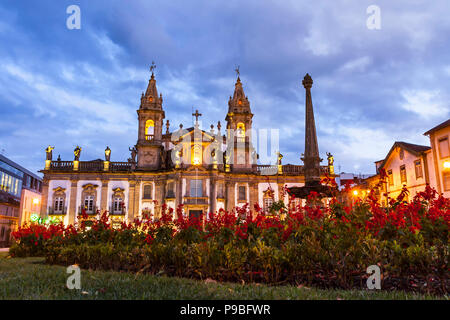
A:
x: 390, y: 178
x: 89, y: 203
x: 242, y: 193
x: 147, y: 194
x: 446, y: 180
x: 118, y: 204
x: 59, y: 204
x: 196, y: 188
x: 240, y: 132
x: 170, y: 191
x: 444, y: 151
x: 267, y: 200
x: 418, y: 168
x: 196, y: 154
x: 267, y: 204
x: 149, y: 129
x: 220, y: 191
x: 403, y: 174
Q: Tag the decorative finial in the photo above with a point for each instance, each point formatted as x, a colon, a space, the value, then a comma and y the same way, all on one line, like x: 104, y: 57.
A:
x: 212, y: 129
x: 237, y: 71
x: 181, y: 126
x: 307, y: 81
x: 167, y: 126
x: 218, y: 126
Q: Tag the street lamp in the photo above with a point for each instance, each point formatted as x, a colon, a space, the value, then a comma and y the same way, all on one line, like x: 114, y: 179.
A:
x: 447, y: 165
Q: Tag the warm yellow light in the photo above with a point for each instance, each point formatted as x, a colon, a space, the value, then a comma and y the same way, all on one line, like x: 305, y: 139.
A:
x: 355, y: 192
x: 196, y: 161
x: 447, y: 164
x: 35, y: 201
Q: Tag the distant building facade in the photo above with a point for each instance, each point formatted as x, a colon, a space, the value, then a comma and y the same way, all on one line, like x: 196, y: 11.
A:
x: 20, y: 196
x: 204, y: 171
x: 414, y: 166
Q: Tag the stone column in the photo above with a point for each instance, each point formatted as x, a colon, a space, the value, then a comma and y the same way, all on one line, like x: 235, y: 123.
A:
x: 137, y: 198
x: 44, y: 198
x: 280, y: 190
x: 230, y: 194
x: 253, y: 194
x: 131, y: 195
x: 178, y: 192
x: 73, y: 201
x: 212, y: 194
x: 104, y: 196
x: 159, y: 195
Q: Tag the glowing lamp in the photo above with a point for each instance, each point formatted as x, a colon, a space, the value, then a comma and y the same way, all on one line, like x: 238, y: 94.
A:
x: 35, y: 201
x: 355, y: 192
x: 447, y: 165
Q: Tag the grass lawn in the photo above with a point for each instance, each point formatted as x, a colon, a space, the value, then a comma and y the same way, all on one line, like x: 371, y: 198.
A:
x: 30, y: 278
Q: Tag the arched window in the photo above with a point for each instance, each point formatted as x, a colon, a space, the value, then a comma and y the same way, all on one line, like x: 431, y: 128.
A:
x: 267, y: 200
x: 240, y: 130
x: 149, y: 129
x: 59, y: 204
x: 197, y: 154
x: 118, y: 205
x: 147, y: 192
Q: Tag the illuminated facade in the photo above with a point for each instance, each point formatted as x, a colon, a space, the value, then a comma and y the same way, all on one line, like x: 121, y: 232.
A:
x: 20, y: 196
x: 204, y: 171
x: 414, y: 166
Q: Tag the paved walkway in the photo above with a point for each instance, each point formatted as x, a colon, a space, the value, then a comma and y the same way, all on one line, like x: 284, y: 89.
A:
x: 4, y: 249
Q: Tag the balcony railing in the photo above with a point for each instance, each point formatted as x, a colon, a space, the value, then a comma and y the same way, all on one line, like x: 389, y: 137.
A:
x: 149, y: 137
x: 195, y: 200
x: 93, y: 211
x: 170, y: 195
x: 117, y: 211
x: 89, y: 166
x: 56, y: 212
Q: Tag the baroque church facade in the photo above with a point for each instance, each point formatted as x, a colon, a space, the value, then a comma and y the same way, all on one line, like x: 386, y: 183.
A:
x: 204, y: 171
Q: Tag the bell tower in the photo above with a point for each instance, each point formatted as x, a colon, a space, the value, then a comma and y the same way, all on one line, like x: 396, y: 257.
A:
x: 150, y: 115
x: 239, y: 127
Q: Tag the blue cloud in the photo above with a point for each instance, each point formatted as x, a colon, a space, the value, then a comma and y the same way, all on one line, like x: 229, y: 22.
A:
x: 371, y: 87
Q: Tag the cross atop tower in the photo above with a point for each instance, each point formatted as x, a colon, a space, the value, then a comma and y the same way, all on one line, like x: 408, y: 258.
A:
x: 237, y: 71
x: 152, y: 67
x: 196, y: 115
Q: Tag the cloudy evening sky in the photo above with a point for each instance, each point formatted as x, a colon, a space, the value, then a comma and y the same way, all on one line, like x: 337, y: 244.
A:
x: 82, y: 87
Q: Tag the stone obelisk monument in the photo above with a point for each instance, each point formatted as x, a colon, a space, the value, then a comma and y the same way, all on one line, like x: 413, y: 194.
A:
x: 311, y: 157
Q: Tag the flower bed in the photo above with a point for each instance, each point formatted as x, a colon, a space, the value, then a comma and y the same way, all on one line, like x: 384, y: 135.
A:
x: 325, y: 246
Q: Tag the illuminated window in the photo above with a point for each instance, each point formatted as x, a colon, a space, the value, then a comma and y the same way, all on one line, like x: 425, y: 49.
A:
x: 240, y: 130
x: 390, y: 178
x: 403, y: 174
x: 89, y: 203
x: 444, y: 151
x: 418, y: 168
x: 446, y: 180
x: 196, y: 154
x: 149, y: 129
x: 118, y: 204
